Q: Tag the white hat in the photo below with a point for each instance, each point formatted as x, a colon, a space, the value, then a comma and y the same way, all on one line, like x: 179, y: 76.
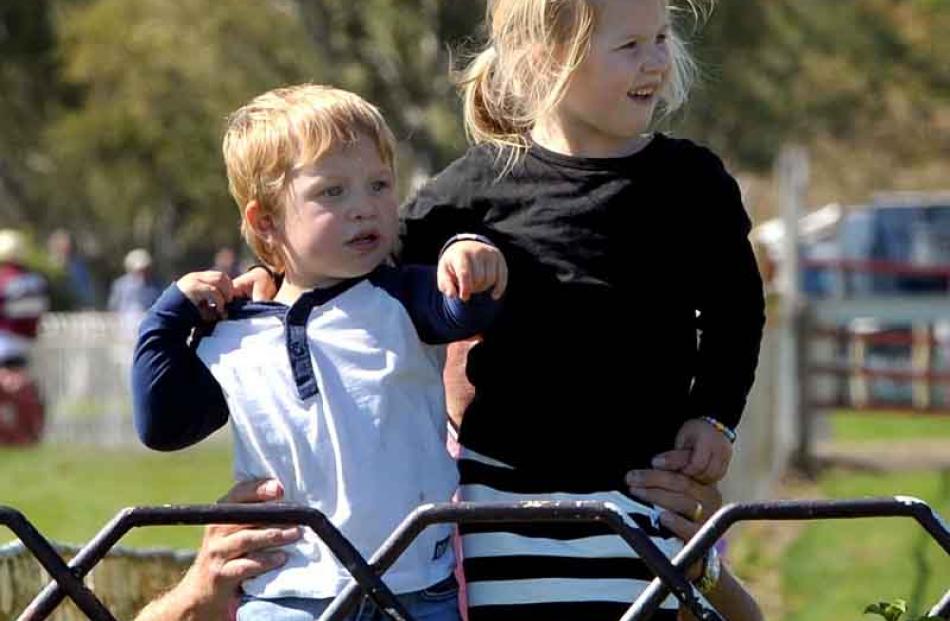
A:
x: 12, y: 245
x: 138, y: 259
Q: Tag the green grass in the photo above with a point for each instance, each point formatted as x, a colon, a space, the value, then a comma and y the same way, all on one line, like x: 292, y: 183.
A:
x: 850, y: 425
x: 835, y: 568
x: 69, y: 493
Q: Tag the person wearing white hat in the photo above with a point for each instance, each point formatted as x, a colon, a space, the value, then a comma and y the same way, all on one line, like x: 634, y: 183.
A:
x: 135, y: 291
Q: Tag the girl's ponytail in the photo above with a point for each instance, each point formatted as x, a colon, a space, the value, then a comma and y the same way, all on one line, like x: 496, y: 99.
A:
x: 485, y: 109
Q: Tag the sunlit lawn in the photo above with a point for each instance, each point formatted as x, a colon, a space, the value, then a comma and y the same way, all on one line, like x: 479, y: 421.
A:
x: 852, y: 425
x: 70, y: 492
x: 835, y: 568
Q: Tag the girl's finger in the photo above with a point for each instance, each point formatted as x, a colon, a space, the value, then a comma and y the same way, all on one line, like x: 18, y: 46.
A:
x: 446, y: 280
x: 214, y: 300
x: 718, y: 467
x: 501, y: 279
x: 672, y: 460
x: 698, y: 462
x: 479, y: 273
x: 225, y: 286
x: 462, y: 268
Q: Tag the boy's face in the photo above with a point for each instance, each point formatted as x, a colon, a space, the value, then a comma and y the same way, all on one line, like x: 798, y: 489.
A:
x: 340, y: 216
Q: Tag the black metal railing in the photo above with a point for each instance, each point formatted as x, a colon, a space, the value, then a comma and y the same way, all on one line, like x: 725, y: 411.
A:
x: 367, y: 581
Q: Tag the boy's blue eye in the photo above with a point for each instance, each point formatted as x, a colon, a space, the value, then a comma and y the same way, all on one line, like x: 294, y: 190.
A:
x: 379, y: 186
x: 332, y: 191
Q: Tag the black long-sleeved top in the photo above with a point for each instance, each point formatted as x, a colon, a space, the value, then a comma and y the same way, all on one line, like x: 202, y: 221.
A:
x: 634, y: 303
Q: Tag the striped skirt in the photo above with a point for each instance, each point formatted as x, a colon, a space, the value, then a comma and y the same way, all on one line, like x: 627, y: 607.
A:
x: 562, y: 572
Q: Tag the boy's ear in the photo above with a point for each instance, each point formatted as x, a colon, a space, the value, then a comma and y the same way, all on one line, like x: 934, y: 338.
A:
x: 261, y: 223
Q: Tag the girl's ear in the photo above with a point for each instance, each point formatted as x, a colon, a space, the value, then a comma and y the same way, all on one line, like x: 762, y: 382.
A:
x: 263, y: 224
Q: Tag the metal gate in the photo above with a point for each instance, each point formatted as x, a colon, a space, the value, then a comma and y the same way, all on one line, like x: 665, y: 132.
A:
x: 670, y: 577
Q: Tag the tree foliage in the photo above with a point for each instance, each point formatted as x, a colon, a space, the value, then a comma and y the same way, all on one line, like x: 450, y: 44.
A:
x: 113, y: 109
x: 139, y: 157
x: 27, y: 96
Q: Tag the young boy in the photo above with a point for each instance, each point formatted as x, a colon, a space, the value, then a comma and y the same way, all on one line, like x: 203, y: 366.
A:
x: 328, y: 387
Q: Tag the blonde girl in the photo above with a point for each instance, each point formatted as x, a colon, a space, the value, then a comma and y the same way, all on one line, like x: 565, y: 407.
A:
x: 623, y: 244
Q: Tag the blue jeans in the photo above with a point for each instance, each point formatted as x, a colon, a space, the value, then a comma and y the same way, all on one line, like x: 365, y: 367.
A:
x: 439, y: 602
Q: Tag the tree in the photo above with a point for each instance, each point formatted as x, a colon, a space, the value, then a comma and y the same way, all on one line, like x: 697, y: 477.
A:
x: 862, y: 82
x: 397, y: 54
x: 30, y: 92
x: 138, y: 159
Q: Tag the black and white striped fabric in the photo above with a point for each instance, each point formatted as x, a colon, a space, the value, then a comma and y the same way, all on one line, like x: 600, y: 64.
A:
x: 567, y: 572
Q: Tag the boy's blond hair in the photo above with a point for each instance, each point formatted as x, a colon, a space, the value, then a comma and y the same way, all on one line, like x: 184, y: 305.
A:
x: 283, y: 129
x: 533, y: 48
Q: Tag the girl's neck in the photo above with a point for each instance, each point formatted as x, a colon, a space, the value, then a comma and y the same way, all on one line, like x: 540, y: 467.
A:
x: 551, y: 136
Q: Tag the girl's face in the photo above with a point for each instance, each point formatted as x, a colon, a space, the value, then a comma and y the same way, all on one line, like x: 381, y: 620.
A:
x: 612, y: 95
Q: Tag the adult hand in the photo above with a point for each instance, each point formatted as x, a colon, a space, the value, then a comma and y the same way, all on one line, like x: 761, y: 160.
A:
x: 229, y: 554
x: 686, y: 503
x: 232, y: 553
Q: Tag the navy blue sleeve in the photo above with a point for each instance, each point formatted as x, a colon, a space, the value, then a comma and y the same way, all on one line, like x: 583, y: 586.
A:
x: 438, y: 318
x: 177, y: 402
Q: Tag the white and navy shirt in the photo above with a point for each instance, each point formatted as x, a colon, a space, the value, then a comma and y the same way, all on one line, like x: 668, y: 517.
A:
x: 339, y: 397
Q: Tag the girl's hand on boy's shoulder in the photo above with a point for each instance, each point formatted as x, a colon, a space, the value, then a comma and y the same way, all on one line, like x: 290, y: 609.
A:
x: 468, y: 267
x: 209, y: 292
x: 256, y: 284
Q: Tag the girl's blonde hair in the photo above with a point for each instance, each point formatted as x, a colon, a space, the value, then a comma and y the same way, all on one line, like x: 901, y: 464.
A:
x: 289, y: 127
x: 533, y: 48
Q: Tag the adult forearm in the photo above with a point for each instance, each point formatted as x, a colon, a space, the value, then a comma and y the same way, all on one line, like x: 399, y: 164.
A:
x: 187, y: 602
x: 732, y: 599
x: 172, y: 606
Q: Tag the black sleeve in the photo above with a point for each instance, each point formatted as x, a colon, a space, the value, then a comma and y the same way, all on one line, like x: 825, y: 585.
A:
x: 730, y: 299
x: 442, y: 208
x: 176, y: 400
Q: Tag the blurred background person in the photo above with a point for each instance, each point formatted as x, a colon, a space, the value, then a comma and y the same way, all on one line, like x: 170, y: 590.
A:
x: 136, y: 290
x: 226, y: 261
x: 78, y: 287
x: 23, y: 300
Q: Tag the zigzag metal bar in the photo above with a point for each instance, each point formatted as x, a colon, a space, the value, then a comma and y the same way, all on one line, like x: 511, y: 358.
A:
x: 68, y: 578
x: 273, y: 514
x: 54, y: 564
x: 544, y: 511
x: 942, y: 608
x: 712, y: 530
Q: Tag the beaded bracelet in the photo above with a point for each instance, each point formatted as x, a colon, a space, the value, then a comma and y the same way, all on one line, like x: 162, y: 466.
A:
x: 729, y: 433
